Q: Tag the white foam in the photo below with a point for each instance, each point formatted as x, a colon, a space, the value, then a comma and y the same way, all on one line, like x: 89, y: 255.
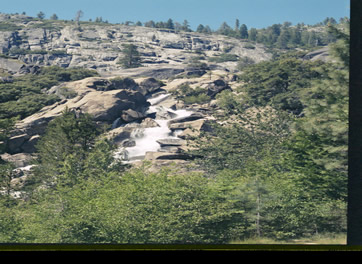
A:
x: 146, y: 139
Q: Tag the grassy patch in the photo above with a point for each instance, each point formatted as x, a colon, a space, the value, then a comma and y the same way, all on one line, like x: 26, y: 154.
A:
x: 320, y: 239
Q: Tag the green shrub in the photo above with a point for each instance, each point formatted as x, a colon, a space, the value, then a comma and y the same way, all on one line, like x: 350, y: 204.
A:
x: 67, y: 93
x: 25, y: 95
x: 4, y: 26
x: 244, y: 62
x: 249, y: 46
x: 224, y: 57
x: 191, y: 95
x: 197, y: 99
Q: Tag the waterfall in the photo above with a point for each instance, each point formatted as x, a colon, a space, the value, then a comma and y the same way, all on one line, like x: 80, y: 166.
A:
x: 146, y: 138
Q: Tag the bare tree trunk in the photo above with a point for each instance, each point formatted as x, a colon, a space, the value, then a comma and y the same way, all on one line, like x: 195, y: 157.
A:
x: 257, y: 220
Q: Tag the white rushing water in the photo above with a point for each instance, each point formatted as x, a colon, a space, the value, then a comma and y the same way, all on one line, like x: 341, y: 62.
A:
x: 146, y: 138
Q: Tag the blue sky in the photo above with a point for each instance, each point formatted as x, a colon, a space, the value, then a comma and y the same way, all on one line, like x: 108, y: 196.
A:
x: 253, y: 13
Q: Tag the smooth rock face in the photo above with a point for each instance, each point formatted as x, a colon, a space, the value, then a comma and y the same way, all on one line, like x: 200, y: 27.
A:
x: 319, y: 54
x: 103, y: 106
x: 131, y: 115
x: 19, y: 159
x: 149, y: 122
x: 171, y: 142
x: 163, y: 52
x: 191, y: 117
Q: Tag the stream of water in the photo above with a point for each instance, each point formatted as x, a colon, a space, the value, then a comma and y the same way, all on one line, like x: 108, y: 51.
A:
x: 146, y: 138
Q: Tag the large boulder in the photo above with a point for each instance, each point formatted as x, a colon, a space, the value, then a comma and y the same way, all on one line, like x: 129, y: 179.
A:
x: 192, y: 117
x: 216, y: 87
x: 19, y: 160
x: 102, y: 106
x: 131, y: 115
x: 124, y: 83
x: 322, y: 54
x: 150, y: 85
x: 171, y: 142
x: 109, y: 105
x: 194, y: 124
x: 149, y: 122
x: 119, y: 135
x: 105, y: 106
x: 191, y: 129
x: 163, y: 113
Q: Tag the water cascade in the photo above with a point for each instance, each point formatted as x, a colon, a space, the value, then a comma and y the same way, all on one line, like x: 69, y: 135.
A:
x: 146, y: 138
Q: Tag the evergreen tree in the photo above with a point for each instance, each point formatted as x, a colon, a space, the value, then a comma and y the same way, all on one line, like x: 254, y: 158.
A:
x: 237, y: 25
x: 7, y: 174
x: 160, y: 24
x: 169, y: 24
x: 131, y: 57
x: 252, y: 35
x: 207, y: 30
x: 296, y: 37
x: 150, y: 24
x: 41, y: 15
x: 321, y: 143
x: 244, y: 32
x: 54, y: 17
x: 225, y: 29
x: 186, y: 26
x: 283, y: 39
x: 279, y: 83
x: 64, y: 146
x: 98, y: 20
x: 200, y: 28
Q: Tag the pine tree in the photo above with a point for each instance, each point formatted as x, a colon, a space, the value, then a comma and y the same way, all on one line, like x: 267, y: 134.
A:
x: 150, y: 24
x: 131, y: 57
x: 169, y: 24
x: 237, y: 25
x: 41, y: 15
x: 322, y: 137
x: 225, y: 29
x: 244, y: 31
x: 252, y: 35
x: 200, y: 28
x: 296, y: 36
x: 186, y: 26
x: 283, y: 39
x: 63, y: 148
x: 54, y: 17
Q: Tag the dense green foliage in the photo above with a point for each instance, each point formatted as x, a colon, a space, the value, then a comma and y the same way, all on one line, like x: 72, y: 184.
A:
x: 191, y: 95
x: 136, y: 207
x: 294, y: 159
x: 64, y: 147
x: 279, y: 83
x: 284, y: 36
x: 25, y: 95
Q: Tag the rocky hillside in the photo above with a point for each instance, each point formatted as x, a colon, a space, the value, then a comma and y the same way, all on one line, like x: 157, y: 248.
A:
x: 27, y: 41
x: 119, y: 98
